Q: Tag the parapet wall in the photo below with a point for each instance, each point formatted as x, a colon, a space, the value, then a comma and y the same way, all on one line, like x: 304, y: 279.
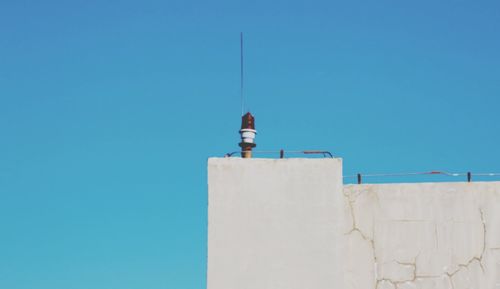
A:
x: 291, y: 224
x: 274, y: 224
x: 429, y: 235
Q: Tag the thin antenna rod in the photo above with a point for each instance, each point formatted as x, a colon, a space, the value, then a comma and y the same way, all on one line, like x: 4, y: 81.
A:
x: 241, y: 74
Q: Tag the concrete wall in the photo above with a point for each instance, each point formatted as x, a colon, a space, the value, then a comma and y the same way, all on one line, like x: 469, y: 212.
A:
x: 433, y: 235
x: 273, y: 224
x: 291, y: 224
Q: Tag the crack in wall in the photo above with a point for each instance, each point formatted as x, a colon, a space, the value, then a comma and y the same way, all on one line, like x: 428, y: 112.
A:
x: 355, y: 228
x: 415, y: 277
x: 479, y: 258
x: 351, y: 200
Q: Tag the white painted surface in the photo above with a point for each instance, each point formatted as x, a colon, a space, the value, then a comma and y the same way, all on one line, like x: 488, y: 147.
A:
x: 433, y: 235
x: 274, y: 224
x: 290, y: 224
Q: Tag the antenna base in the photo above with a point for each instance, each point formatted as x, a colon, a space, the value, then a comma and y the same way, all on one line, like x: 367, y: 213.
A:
x: 246, y: 145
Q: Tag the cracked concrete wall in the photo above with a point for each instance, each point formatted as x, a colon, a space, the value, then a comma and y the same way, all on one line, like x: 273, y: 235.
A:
x: 431, y: 235
x: 275, y: 224
x: 291, y: 224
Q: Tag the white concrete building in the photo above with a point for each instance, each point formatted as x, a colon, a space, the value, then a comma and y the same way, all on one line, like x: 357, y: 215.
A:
x: 292, y: 224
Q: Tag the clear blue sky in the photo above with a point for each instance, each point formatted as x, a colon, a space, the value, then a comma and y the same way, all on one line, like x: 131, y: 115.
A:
x: 110, y: 109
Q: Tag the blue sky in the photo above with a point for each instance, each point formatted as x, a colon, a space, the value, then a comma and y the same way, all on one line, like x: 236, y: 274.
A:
x: 110, y: 109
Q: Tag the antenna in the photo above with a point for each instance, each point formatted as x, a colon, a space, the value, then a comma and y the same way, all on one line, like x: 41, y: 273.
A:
x: 241, y: 74
x: 247, y: 131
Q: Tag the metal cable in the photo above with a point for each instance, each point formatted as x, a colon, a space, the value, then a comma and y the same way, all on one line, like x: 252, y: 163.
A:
x: 328, y: 154
x: 468, y: 174
x: 411, y: 174
x: 306, y: 152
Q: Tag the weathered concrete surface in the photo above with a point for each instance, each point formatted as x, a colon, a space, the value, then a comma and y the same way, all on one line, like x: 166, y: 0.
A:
x: 432, y: 235
x: 275, y: 224
x: 290, y: 224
